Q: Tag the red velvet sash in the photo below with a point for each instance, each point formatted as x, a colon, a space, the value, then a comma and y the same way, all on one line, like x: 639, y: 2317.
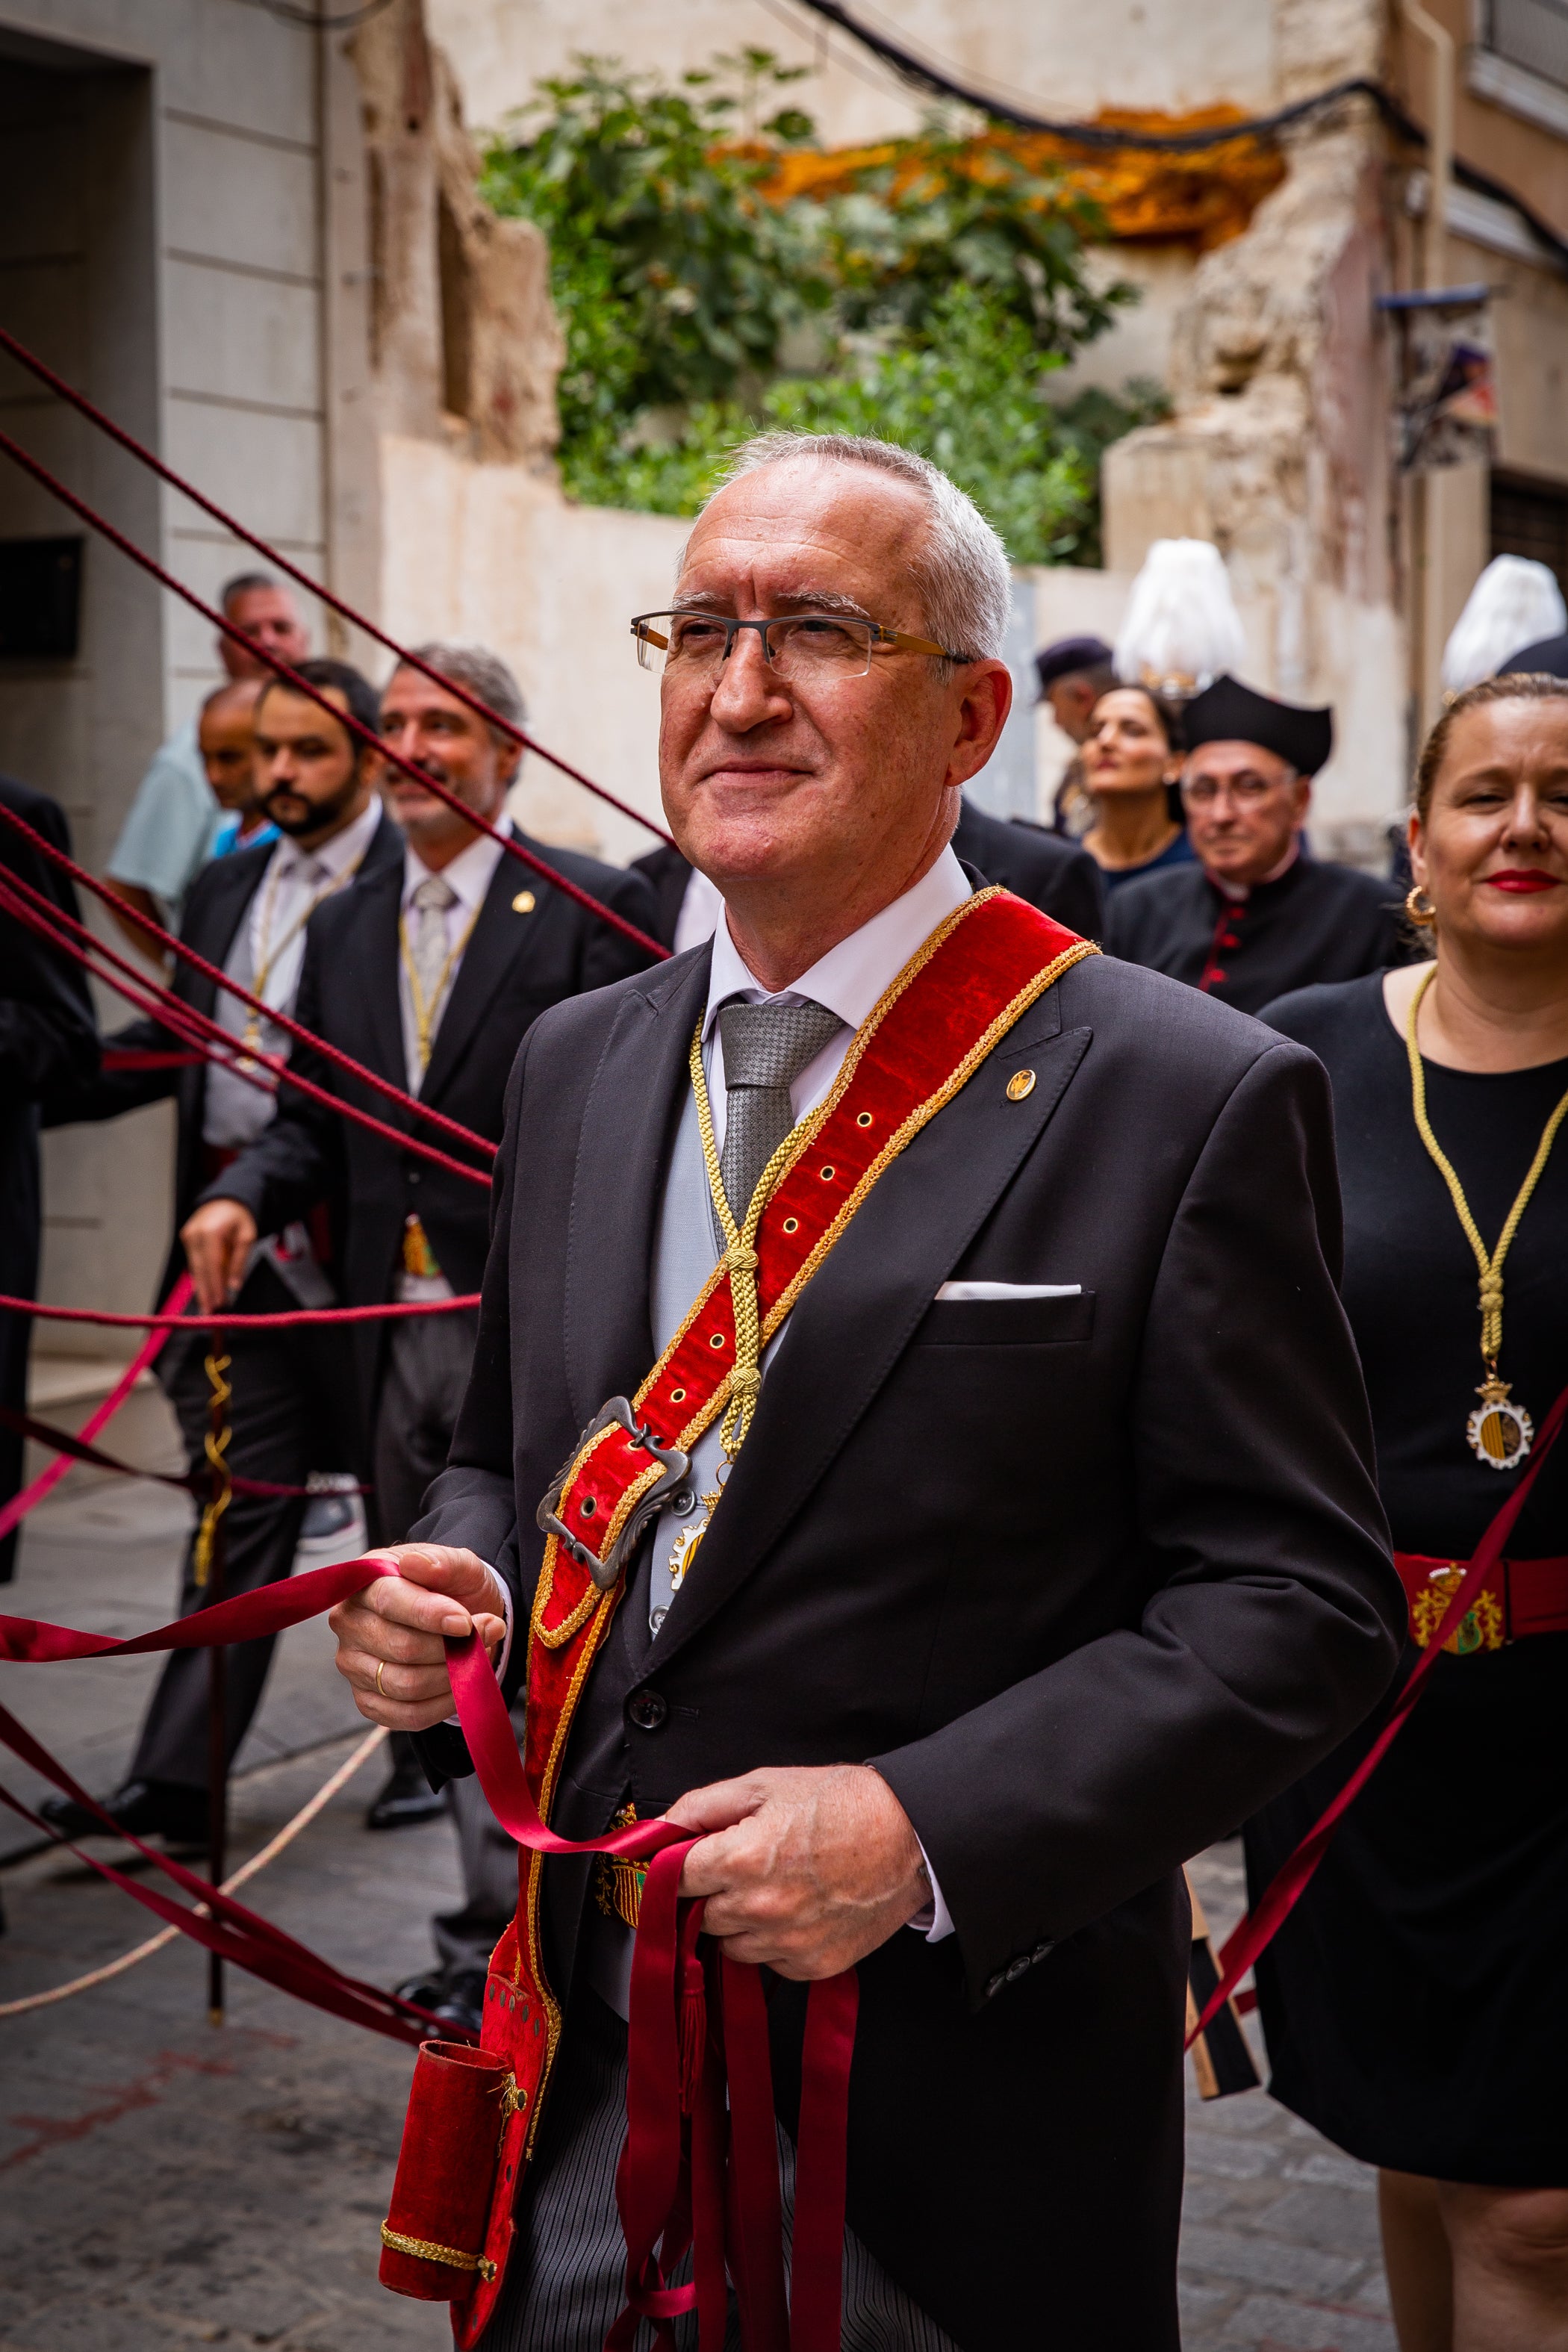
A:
x: 699, y: 2168
x: 945, y: 1013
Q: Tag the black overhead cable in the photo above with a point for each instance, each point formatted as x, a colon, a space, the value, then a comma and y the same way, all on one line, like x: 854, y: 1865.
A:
x: 921, y: 74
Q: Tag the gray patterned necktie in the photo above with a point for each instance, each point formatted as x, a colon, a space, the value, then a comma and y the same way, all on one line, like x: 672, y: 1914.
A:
x: 428, y: 950
x: 766, y: 1047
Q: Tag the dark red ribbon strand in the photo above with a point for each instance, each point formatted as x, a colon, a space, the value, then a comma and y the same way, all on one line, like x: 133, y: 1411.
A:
x: 219, y: 1045
x: 302, y: 579
x: 352, y: 726
x: 660, y: 2198
x: 1290, y: 1880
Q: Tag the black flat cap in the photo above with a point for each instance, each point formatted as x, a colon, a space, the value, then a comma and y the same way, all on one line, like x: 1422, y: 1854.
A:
x: 1547, y: 657
x: 1067, y: 654
x: 1229, y: 712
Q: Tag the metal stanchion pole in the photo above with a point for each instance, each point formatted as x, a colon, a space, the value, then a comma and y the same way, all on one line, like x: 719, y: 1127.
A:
x: 211, y: 1566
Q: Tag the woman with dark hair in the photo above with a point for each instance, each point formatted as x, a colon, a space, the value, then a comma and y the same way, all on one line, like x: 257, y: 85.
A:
x: 1415, y: 2002
x: 1132, y: 760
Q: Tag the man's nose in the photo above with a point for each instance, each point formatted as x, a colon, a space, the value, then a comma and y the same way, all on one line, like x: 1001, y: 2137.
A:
x: 747, y: 692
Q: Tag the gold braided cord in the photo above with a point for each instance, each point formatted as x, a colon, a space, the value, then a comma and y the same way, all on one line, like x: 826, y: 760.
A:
x: 1490, y: 1263
x: 739, y: 1257
x: 269, y: 954
x: 427, y: 2250
x: 425, y: 1014
x: 217, y: 1441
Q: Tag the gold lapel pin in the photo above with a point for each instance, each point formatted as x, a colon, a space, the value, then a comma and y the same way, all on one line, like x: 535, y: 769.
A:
x: 525, y: 903
x: 1020, y: 1084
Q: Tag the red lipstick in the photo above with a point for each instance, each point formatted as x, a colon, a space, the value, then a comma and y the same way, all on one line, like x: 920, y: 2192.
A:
x: 1521, y: 880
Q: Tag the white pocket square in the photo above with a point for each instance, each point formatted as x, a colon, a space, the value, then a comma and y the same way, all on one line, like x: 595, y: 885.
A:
x: 1011, y: 1290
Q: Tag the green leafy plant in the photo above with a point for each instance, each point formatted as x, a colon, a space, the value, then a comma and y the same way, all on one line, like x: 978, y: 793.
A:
x: 926, y: 296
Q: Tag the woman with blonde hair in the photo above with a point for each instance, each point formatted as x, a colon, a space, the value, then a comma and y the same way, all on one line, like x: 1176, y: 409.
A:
x: 1414, y: 2003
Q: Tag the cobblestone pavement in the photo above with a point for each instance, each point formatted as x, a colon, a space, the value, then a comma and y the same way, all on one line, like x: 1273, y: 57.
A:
x: 165, y: 2183
x: 1279, y: 2244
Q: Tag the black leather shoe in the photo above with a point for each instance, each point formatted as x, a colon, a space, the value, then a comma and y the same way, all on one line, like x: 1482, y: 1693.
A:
x: 406, y: 1800
x: 145, y: 1808
x: 455, y: 1995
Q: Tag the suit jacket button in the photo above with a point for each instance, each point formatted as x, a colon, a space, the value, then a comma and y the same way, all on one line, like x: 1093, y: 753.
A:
x: 648, y: 1709
x: 994, y: 1985
x: 1018, y: 1968
x: 1040, y: 1952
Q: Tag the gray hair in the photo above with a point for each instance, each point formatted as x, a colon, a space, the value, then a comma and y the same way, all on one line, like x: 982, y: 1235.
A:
x: 480, y: 673
x: 961, y: 571
x: 243, y: 584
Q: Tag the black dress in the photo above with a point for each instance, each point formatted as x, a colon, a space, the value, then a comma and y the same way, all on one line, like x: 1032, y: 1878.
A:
x: 1415, y: 2003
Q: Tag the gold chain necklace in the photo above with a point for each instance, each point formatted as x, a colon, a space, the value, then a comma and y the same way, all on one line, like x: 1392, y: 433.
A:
x: 741, y: 1258
x: 424, y: 1013
x: 268, y: 954
x: 1501, y: 1433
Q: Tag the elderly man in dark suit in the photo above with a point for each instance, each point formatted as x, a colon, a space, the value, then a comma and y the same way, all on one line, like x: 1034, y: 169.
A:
x: 1054, y: 1547
x: 48, y: 1039
x: 430, y: 974
x: 246, y: 913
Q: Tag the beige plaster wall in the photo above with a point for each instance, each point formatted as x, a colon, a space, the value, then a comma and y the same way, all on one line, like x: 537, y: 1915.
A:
x: 1050, y: 57
x: 493, y: 552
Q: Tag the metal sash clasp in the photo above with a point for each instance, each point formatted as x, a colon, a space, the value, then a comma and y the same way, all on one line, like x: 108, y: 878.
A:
x: 673, y: 1466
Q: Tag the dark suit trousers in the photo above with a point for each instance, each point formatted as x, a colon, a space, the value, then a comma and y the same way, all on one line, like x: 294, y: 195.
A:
x: 565, y: 2280
x: 279, y: 1416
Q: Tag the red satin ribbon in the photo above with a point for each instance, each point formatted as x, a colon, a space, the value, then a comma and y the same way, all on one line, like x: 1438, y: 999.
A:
x: 46, y: 1480
x: 670, y: 2187
x: 290, y: 1319
x: 1290, y: 1880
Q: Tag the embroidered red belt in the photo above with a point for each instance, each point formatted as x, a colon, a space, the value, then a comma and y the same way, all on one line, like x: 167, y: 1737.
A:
x: 1520, y: 1597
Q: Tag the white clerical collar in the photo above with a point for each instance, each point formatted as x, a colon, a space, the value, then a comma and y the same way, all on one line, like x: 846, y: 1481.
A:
x: 850, y: 978
x: 1239, y: 892
x: 469, y: 874
x: 330, y: 857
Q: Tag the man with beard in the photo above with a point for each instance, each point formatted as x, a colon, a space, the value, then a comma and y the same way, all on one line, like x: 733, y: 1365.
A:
x: 431, y: 974
x: 247, y: 913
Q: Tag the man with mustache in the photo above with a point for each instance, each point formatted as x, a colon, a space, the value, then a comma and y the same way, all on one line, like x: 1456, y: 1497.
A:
x: 247, y: 913
x: 431, y: 974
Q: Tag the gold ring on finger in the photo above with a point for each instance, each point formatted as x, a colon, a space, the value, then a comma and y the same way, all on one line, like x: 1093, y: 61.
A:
x: 379, y: 1671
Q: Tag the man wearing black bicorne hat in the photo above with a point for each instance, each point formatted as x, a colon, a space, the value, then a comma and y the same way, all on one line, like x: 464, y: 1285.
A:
x: 1257, y: 915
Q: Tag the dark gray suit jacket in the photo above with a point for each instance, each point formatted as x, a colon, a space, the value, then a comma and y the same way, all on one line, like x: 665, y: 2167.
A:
x: 1088, y: 1577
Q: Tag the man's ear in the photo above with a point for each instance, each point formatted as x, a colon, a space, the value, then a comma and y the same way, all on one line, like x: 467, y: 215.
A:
x: 982, y: 711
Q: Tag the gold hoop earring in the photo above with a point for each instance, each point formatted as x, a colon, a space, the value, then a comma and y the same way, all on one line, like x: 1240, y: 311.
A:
x: 1419, y: 908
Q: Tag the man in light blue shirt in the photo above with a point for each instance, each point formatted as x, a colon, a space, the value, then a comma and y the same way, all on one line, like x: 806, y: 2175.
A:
x: 174, y: 821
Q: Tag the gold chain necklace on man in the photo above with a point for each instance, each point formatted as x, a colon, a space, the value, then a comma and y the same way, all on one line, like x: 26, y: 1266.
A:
x: 267, y: 955
x: 1501, y: 1433
x: 740, y: 1257
x: 426, y: 1010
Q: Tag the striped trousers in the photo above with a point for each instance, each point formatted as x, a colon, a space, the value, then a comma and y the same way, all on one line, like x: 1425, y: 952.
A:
x: 563, y: 2284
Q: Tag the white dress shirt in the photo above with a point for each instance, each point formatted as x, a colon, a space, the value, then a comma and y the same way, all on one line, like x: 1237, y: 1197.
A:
x: 266, y: 957
x: 848, y: 980
x: 468, y: 876
x: 700, y: 909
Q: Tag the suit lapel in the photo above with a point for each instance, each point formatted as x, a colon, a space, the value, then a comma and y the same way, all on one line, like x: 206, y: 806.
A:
x: 856, y: 1318
x: 499, y: 939
x: 377, y: 897
x: 623, y: 1150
